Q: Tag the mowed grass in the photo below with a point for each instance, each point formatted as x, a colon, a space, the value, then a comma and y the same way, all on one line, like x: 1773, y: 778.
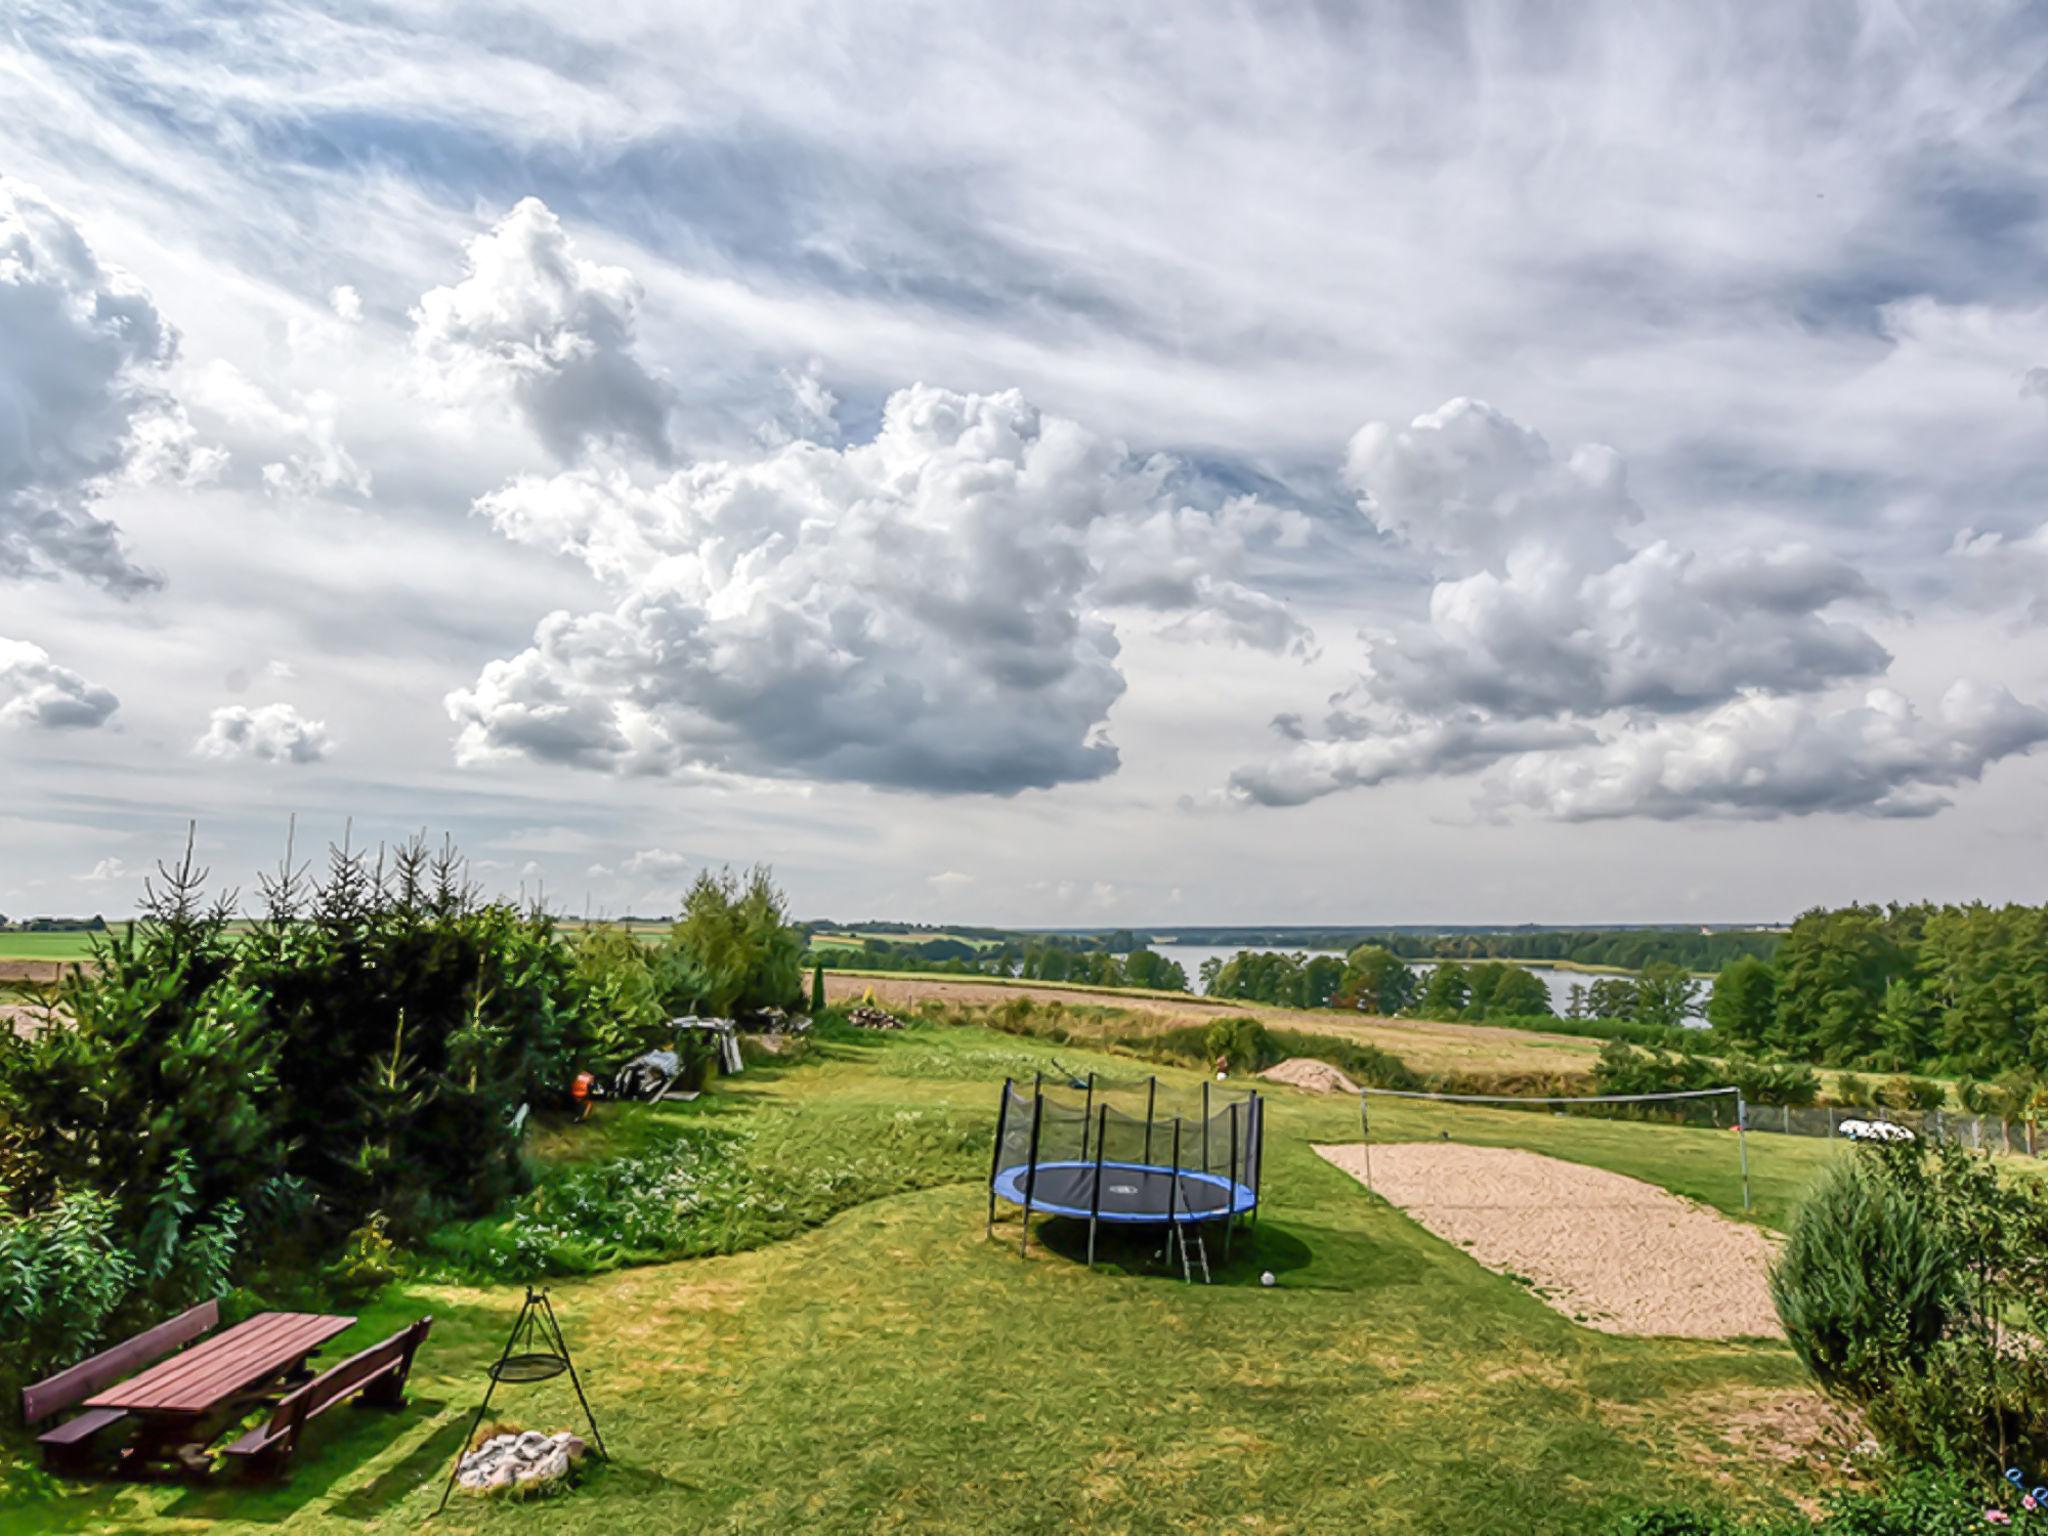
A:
x: 892, y: 1369
x: 46, y: 946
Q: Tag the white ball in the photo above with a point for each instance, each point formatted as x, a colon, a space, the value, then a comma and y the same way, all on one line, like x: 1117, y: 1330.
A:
x: 1267, y: 1278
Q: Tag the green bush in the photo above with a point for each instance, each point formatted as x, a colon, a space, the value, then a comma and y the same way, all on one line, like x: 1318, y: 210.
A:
x: 1242, y: 1043
x: 1915, y: 1283
x: 618, y: 1001
x: 1916, y: 1504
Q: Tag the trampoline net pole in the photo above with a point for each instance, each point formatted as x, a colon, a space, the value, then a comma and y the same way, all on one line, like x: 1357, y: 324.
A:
x: 995, y: 1164
x: 1173, y: 1203
x: 1151, y: 1098
x: 1087, y: 1115
x: 1031, y: 1173
x: 1205, y: 1125
x: 1230, y: 1219
x: 1258, y: 1150
x: 1095, y: 1188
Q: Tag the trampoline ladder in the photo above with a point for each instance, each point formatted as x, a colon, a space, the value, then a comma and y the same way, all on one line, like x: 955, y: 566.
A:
x: 1201, y: 1254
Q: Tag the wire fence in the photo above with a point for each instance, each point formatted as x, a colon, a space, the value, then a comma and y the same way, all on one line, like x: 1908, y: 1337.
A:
x: 1716, y: 1110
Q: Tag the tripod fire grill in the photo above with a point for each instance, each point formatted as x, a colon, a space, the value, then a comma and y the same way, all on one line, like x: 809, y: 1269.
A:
x: 534, y: 1351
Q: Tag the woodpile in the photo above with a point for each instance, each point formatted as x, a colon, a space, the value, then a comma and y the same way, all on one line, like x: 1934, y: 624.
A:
x: 865, y: 1016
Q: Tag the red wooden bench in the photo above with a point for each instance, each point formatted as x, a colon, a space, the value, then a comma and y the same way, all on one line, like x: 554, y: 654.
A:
x: 378, y: 1373
x: 69, y: 1445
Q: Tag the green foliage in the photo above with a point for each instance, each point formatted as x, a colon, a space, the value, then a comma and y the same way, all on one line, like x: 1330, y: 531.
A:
x: 1241, y: 1043
x: 1912, y: 1093
x: 1376, y: 980
x: 1624, y: 1069
x: 1665, y: 995
x: 1745, y: 1002
x: 817, y: 990
x: 619, y: 1001
x: 694, y: 1189
x: 733, y: 950
x: 1916, y: 1504
x: 1915, y: 1283
x: 1283, y: 980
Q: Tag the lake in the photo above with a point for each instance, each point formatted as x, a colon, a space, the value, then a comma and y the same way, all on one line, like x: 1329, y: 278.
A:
x: 1558, y: 983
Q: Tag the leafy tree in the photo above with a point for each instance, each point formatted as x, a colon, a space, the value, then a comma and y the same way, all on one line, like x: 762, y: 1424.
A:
x: 1446, y: 992
x: 1611, y: 997
x: 1501, y: 990
x: 1744, y: 1003
x: 732, y: 949
x: 1375, y: 980
x: 618, y: 999
x: 1665, y: 995
x: 1833, y: 969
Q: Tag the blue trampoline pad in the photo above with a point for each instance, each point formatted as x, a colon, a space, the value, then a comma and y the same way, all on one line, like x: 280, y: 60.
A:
x: 1131, y: 1192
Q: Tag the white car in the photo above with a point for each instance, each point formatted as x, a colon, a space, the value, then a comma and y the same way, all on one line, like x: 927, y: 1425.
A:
x: 1873, y: 1130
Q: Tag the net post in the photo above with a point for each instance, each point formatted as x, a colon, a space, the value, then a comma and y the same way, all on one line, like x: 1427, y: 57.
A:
x: 1365, y: 1127
x: 1230, y: 1221
x: 1205, y: 1122
x: 1151, y: 1097
x: 1095, y: 1191
x: 1031, y: 1173
x: 995, y: 1163
x: 1258, y: 1150
x: 1087, y: 1116
x: 1173, y: 1204
x: 1742, y: 1143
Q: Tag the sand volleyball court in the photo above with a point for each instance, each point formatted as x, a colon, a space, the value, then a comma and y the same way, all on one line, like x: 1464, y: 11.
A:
x: 1608, y: 1251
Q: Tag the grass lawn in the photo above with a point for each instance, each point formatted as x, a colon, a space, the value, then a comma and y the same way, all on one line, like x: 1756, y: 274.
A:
x: 45, y: 946
x: 884, y: 1367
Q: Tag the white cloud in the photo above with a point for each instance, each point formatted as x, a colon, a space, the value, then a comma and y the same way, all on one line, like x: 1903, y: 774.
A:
x: 1760, y: 758
x: 1545, y: 607
x: 346, y: 303
x: 106, y: 871
x: 299, y: 444
x: 35, y: 692
x: 949, y: 881
x: 920, y: 611
x: 81, y: 404
x: 2007, y: 570
x: 270, y: 733
x: 555, y: 333
x: 1395, y: 747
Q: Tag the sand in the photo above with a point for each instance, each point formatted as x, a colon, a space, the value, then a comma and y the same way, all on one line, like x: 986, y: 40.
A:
x: 1607, y: 1251
x: 1308, y: 1073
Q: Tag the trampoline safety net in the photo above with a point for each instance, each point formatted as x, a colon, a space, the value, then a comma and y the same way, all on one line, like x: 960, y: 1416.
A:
x: 1135, y: 1154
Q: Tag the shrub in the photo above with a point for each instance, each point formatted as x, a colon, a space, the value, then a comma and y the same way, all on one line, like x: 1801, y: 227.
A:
x: 1867, y: 1281
x: 1912, y: 1093
x: 1915, y: 1283
x: 617, y: 1001
x: 1854, y: 1091
x: 1241, y: 1042
x: 1916, y: 1504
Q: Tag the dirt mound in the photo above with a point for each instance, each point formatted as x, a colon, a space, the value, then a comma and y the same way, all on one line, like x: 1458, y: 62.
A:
x: 1307, y: 1072
x: 1605, y: 1250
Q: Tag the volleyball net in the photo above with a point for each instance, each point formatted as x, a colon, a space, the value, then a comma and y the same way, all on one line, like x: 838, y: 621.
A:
x: 1702, y: 1108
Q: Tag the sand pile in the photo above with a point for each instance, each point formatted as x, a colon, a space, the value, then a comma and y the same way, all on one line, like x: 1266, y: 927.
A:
x: 1608, y: 1251
x: 1307, y: 1072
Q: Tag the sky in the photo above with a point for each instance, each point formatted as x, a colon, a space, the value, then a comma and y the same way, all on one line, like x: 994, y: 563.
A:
x: 1062, y: 465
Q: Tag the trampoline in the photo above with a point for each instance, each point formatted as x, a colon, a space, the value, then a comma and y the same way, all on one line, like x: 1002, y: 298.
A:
x: 1074, y: 1153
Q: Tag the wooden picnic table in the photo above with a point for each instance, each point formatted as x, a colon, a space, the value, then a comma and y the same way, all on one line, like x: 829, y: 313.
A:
x: 175, y: 1397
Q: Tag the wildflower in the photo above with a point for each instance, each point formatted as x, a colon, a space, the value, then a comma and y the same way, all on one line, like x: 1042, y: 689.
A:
x: 1997, y: 1517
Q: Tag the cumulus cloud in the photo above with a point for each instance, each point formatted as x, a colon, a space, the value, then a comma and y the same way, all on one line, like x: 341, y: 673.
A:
x: 2006, y: 569
x: 920, y: 611
x: 80, y: 400
x: 1370, y: 752
x: 1759, y: 758
x: 346, y: 303
x: 37, y: 693
x: 1544, y: 607
x: 553, y: 332
x: 649, y: 864
x: 270, y: 733
x: 1556, y: 624
x: 299, y: 443
x: 105, y: 871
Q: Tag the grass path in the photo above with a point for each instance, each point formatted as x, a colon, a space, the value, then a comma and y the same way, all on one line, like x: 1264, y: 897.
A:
x: 892, y: 1370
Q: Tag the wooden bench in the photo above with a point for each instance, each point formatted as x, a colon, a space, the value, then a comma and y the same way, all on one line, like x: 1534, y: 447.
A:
x: 69, y: 1446
x: 378, y: 1373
